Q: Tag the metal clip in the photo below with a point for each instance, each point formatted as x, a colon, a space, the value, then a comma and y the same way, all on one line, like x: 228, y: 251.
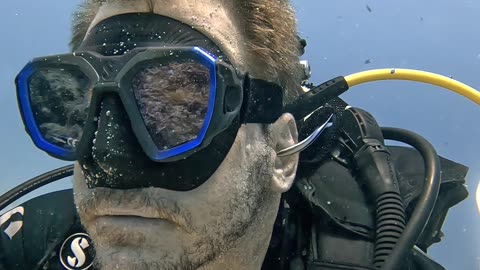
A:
x: 298, y: 147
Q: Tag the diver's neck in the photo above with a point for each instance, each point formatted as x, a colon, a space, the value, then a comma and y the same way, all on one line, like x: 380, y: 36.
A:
x: 248, y: 253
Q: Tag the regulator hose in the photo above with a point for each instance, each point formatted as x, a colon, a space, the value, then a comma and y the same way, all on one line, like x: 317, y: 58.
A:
x: 390, y: 225
x: 34, y: 183
x: 362, y: 138
x: 426, y: 201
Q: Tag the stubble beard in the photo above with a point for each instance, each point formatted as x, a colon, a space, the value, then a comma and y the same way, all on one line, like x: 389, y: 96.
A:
x: 210, y: 242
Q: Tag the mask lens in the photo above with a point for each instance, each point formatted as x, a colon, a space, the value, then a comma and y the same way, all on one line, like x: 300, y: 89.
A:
x: 59, y: 98
x: 173, y: 99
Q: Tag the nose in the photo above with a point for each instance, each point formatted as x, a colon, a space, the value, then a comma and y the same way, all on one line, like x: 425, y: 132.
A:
x: 111, y: 156
x: 115, y: 157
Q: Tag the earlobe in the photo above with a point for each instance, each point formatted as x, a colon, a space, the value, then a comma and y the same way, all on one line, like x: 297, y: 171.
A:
x: 284, y: 134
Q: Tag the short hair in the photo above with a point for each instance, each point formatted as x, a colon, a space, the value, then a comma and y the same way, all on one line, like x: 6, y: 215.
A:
x: 269, y: 27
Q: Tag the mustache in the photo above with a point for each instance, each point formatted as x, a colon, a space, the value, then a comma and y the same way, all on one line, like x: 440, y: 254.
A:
x: 144, y: 203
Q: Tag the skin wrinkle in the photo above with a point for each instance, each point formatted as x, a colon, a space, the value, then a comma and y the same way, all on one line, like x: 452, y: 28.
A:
x: 227, y: 222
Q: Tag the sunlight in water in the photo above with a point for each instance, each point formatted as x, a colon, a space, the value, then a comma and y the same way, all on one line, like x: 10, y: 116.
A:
x: 478, y: 197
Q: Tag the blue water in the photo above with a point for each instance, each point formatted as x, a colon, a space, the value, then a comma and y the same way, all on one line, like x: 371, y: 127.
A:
x: 343, y: 37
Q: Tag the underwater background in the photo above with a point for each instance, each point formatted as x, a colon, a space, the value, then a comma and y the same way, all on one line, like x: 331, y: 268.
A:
x: 344, y: 37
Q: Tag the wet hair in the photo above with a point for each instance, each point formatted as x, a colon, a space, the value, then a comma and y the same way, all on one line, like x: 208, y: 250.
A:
x: 269, y: 28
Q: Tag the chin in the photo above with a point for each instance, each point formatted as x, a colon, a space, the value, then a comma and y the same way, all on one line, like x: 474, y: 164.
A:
x: 137, y: 258
x: 136, y: 245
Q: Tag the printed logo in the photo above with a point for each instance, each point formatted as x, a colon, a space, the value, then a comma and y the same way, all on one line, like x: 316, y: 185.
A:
x: 77, y: 252
x: 14, y: 226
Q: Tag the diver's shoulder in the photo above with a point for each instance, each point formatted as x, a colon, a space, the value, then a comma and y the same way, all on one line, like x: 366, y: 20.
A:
x: 33, y: 230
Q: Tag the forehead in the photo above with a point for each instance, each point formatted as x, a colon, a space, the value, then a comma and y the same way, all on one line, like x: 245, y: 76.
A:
x: 214, y: 18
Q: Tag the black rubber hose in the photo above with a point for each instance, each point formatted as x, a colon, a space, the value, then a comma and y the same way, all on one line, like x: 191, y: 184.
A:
x: 15, y: 193
x: 426, y: 201
x: 373, y: 164
x: 390, y: 224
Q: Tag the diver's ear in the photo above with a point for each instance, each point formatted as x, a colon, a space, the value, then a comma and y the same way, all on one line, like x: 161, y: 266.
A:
x: 284, y: 134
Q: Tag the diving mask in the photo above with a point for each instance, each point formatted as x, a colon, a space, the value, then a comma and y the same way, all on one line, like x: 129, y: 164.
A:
x: 176, y: 98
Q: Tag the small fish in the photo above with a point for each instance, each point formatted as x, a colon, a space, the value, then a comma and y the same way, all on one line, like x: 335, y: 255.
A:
x: 368, y: 61
x: 369, y: 8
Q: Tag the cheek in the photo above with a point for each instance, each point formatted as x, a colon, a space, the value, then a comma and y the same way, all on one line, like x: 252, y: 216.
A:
x: 80, y: 191
x: 79, y: 183
x: 210, y: 200
x: 231, y: 184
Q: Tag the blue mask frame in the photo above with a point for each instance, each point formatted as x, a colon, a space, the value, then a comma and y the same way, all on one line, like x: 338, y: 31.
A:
x: 231, y: 94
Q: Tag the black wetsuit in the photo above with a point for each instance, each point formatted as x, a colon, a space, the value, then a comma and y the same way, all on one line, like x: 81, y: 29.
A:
x: 40, y: 227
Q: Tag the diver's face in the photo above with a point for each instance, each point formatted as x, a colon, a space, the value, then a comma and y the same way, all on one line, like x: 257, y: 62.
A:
x: 154, y: 228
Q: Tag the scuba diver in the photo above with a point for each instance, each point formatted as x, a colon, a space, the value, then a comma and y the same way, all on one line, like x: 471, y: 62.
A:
x: 199, y: 144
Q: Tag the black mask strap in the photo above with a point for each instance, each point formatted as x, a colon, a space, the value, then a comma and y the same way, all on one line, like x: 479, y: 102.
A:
x: 263, y: 102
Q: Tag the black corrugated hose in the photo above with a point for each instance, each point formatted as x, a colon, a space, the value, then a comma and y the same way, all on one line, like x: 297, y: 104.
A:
x: 426, y: 201
x: 374, y: 165
x: 390, y: 225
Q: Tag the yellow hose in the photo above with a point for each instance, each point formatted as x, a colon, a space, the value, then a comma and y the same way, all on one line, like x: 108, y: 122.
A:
x: 414, y: 75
